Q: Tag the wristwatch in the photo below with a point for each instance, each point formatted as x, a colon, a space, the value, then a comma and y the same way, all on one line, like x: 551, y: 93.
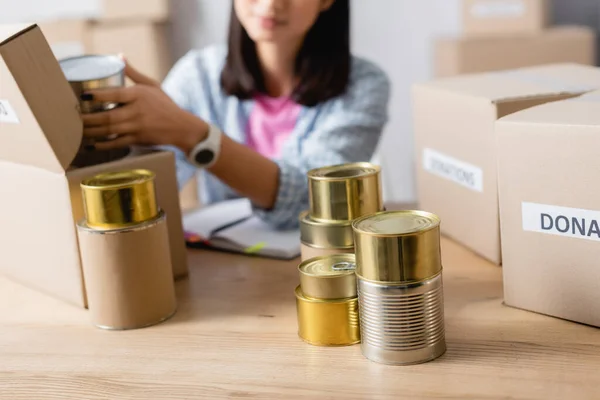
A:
x: 205, y: 153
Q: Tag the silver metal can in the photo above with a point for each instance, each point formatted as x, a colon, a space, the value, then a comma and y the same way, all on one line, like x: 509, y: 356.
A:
x: 91, y: 72
x: 400, y: 287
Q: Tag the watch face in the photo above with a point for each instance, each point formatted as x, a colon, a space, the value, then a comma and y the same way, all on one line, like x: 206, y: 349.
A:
x: 204, y: 157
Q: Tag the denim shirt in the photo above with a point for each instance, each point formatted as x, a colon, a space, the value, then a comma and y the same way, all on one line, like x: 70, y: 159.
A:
x: 341, y: 130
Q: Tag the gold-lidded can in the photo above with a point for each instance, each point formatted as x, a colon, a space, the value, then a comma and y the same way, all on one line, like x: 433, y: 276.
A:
x: 320, y: 239
x: 327, y: 322
x: 344, y: 192
x: 119, y: 199
x: 397, y: 246
x: 400, y: 288
x: 328, y: 278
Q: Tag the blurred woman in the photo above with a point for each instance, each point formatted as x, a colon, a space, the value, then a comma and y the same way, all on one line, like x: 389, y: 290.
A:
x: 284, y: 96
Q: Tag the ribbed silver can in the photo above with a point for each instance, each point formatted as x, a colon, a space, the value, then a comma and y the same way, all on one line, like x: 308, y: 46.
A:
x: 400, y: 287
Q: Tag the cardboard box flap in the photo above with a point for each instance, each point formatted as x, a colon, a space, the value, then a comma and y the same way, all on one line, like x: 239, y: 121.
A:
x: 583, y: 111
x: 39, y: 113
x: 524, y: 83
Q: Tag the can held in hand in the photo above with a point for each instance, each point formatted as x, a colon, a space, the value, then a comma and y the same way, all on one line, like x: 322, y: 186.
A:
x: 319, y: 239
x: 326, y: 301
x: 89, y: 72
x: 400, y: 288
x: 344, y: 192
x: 125, y: 254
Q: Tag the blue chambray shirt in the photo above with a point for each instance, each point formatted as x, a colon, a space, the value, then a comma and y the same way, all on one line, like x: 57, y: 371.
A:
x: 341, y: 130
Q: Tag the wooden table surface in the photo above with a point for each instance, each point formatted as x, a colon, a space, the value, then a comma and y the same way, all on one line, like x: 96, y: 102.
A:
x: 234, y: 336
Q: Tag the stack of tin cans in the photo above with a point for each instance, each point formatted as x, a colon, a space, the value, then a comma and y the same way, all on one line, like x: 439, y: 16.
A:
x: 389, y: 297
x: 337, y: 195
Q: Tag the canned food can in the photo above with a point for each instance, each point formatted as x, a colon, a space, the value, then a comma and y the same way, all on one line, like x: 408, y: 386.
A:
x: 119, y: 199
x: 400, y: 287
x: 344, y: 192
x: 327, y: 322
x: 320, y: 239
x: 125, y: 253
x: 89, y: 72
x: 328, y: 278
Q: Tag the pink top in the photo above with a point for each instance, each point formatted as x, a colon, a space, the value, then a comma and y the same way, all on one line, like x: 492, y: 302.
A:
x: 271, y: 122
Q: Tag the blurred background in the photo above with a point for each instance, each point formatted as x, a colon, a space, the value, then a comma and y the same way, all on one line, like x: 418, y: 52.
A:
x: 412, y: 40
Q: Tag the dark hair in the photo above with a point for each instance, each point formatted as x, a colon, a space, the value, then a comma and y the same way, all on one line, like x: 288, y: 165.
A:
x: 322, y: 64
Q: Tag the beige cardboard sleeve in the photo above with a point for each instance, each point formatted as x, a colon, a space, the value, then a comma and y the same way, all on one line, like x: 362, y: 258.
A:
x: 465, y: 110
x: 467, y: 54
x: 491, y: 17
x: 41, y: 199
x: 128, y: 275
x: 548, y: 155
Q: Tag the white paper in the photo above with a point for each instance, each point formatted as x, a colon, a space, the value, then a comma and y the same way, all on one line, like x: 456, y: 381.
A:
x: 452, y: 169
x: 204, y: 221
x: 561, y: 221
x: 254, y: 233
x: 7, y: 113
x: 498, y: 9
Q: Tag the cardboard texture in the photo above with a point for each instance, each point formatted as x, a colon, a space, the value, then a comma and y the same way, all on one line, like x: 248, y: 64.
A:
x: 41, y: 130
x: 144, y: 43
x: 456, y: 146
x: 128, y: 275
x: 465, y: 55
x: 134, y: 10
x: 550, y: 208
x: 491, y: 17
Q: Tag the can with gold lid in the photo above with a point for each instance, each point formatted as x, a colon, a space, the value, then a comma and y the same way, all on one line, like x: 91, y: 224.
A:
x: 326, y: 301
x: 400, y: 288
x: 344, y: 192
x: 328, y: 278
x: 119, y: 199
x: 125, y: 252
x: 318, y: 239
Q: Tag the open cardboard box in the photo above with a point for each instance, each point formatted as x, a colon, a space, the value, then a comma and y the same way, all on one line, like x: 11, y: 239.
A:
x: 40, y: 198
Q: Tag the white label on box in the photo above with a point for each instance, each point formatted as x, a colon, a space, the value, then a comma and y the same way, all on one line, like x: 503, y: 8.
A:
x: 465, y: 174
x: 67, y: 49
x: 7, y: 113
x: 561, y: 221
x: 498, y: 9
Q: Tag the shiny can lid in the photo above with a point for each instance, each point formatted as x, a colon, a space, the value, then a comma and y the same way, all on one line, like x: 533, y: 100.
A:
x: 326, y: 235
x: 91, y: 67
x: 396, y: 223
x: 329, y: 277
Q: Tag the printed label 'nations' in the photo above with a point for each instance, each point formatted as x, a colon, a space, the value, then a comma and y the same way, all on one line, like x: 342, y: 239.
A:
x: 561, y: 221
x: 465, y: 174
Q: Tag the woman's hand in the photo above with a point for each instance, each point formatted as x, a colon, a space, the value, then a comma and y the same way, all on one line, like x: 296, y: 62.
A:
x: 147, y: 116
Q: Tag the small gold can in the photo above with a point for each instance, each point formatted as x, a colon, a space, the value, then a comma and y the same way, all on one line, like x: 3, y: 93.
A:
x: 119, y: 199
x: 319, y: 239
x: 327, y: 322
x: 400, y: 288
x: 328, y: 278
x: 344, y: 192
x: 326, y: 301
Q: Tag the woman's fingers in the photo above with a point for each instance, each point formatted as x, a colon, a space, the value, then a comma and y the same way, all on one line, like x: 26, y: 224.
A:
x: 111, y: 117
x: 118, y: 143
x: 113, y: 129
x: 111, y: 95
x: 138, y: 77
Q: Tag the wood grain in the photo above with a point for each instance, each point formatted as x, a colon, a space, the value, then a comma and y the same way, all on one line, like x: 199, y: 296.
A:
x: 234, y: 336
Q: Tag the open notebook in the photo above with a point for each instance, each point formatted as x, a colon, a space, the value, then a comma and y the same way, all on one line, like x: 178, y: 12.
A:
x: 230, y: 226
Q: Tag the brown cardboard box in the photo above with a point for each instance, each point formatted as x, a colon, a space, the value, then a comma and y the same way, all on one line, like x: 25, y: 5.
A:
x: 484, y: 17
x: 145, y: 44
x: 465, y: 55
x: 456, y: 147
x: 41, y: 131
x: 550, y: 208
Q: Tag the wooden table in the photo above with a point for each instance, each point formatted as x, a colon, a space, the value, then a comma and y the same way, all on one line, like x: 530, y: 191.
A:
x: 234, y: 336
